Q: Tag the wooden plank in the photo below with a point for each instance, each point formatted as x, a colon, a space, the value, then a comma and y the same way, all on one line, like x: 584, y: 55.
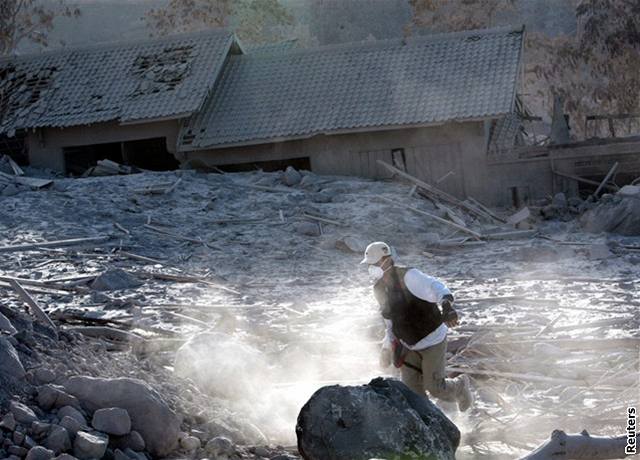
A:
x: 111, y: 333
x: 606, y: 178
x: 436, y: 218
x: 28, y: 181
x: 173, y: 187
x: 486, y: 209
x: 434, y: 191
x: 53, y: 244
x: 582, y: 179
x: 34, y: 308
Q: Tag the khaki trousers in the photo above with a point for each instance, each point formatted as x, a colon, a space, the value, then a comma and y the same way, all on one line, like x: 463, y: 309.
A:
x: 432, y: 361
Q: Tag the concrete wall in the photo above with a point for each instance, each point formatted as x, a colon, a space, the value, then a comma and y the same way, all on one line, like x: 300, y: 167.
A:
x: 46, y: 144
x: 431, y: 152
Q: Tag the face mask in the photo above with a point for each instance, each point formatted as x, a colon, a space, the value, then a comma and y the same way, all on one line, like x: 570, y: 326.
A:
x: 376, y: 272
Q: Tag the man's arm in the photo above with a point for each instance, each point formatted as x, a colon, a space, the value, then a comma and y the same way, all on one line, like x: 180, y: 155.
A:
x: 432, y: 290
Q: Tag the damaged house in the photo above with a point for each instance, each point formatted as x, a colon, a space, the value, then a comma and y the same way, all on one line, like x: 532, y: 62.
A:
x: 122, y: 102
x: 429, y: 105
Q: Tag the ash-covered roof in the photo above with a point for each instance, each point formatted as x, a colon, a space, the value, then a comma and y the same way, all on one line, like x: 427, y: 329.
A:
x: 168, y: 77
x: 432, y: 79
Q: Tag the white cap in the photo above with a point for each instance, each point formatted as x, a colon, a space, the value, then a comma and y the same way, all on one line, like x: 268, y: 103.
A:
x: 375, y: 252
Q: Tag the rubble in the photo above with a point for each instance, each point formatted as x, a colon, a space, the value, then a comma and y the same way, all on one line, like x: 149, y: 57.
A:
x: 235, y: 318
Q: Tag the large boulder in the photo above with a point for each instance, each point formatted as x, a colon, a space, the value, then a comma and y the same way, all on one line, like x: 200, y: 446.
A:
x: 10, y: 365
x: 150, y: 415
x: 383, y: 419
x: 618, y: 215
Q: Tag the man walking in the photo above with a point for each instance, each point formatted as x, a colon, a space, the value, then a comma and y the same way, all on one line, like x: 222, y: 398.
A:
x: 416, y: 333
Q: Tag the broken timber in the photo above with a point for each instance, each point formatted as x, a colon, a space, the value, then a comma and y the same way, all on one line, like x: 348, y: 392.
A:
x: 583, y: 446
x: 35, y: 309
x: 53, y: 244
x: 476, y: 235
x: 436, y: 192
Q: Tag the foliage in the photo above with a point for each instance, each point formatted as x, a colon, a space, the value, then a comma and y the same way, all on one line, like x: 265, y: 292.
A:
x: 254, y: 21
x: 29, y: 20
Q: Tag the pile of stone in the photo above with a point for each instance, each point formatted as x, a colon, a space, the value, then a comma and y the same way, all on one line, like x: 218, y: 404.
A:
x: 619, y: 213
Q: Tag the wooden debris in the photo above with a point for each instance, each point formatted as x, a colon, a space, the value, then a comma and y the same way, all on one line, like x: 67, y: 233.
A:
x: 180, y: 237
x: 34, y: 308
x: 606, y: 178
x: 32, y: 182
x: 583, y: 446
x: 183, y: 279
x: 173, y: 187
x: 326, y: 220
x: 582, y: 179
x: 121, y: 228
x: 519, y: 216
x: 434, y: 191
x: 436, y: 218
x: 109, y: 168
x: 53, y: 244
x: 110, y: 333
x: 510, y: 235
x: 549, y: 325
x: 484, y: 208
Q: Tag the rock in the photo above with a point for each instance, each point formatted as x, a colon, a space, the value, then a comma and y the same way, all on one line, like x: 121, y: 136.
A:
x: 323, y: 196
x: 6, y: 326
x: 50, y: 396
x: 23, y: 414
x: 29, y: 442
x: 220, y: 446
x: 150, y: 415
x: 38, y: 428
x: 599, y: 251
x: 42, y: 375
x: 189, y: 443
x: 351, y: 244
x: 69, y: 411
x: 621, y: 216
x: 112, y: 420
x: 58, y: 440
x: 307, y: 228
x: 10, y: 190
x: 560, y: 201
x: 71, y: 425
x: 39, y: 453
x: 131, y: 441
x: 291, y: 177
x: 87, y: 445
x: 204, y: 359
x: 10, y: 365
x: 18, y: 437
x: 17, y: 450
x: 115, y: 279
x: 65, y: 457
x: 119, y: 455
x: 629, y: 190
x: 575, y: 202
x: 8, y: 422
x: 381, y: 419
x: 135, y: 455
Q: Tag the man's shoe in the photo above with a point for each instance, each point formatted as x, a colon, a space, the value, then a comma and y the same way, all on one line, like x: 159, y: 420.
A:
x: 464, y: 396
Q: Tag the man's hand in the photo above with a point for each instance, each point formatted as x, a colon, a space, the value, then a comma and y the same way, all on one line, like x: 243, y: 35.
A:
x: 385, y: 358
x: 449, y: 314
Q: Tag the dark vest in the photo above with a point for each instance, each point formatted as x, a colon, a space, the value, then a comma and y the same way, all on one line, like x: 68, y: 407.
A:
x: 412, y: 318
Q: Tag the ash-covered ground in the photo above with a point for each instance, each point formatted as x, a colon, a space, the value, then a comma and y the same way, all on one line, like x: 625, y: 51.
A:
x: 242, y: 295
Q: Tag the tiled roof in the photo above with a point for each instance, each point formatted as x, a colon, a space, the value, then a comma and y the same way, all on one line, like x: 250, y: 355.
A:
x: 161, y: 78
x: 261, y: 98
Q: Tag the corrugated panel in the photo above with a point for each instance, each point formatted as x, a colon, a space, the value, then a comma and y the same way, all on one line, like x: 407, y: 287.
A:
x: 300, y: 93
x: 126, y: 81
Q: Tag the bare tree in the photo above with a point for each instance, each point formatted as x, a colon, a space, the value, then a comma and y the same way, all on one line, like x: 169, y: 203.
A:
x: 29, y: 20
x: 254, y: 21
x: 595, y: 70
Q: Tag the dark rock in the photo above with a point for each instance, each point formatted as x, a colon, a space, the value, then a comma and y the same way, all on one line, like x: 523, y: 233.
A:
x: 89, y: 445
x: 39, y: 453
x: 50, y: 396
x: 23, y: 414
x: 307, y: 228
x: 383, y: 419
x: 112, y: 420
x: 291, y: 176
x: 10, y: 365
x: 115, y: 279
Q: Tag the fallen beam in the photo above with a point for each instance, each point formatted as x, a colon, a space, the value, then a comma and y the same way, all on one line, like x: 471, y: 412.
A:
x: 34, y: 308
x: 54, y: 244
x: 583, y: 446
x: 476, y: 235
x: 606, y: 178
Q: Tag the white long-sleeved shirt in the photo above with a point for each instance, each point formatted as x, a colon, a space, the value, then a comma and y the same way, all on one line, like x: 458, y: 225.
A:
x: 427, y: 288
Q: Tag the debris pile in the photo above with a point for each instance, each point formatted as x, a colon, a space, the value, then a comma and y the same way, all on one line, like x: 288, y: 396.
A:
x: 224, y: 301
